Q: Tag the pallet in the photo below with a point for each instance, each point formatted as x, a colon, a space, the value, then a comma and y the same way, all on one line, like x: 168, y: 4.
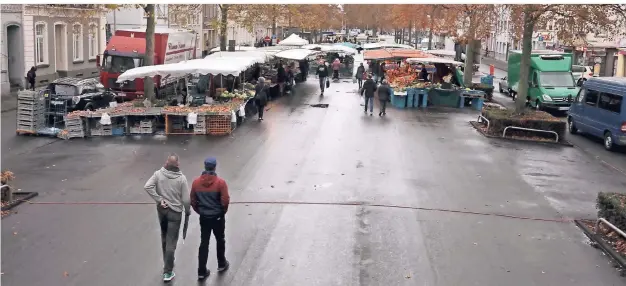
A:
x: 219, y: 125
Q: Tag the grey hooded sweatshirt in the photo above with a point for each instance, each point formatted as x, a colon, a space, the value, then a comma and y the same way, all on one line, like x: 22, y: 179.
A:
x: 170, y: 185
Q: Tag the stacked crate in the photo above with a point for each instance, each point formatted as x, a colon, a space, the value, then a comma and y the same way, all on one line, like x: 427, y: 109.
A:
x: 200, y: 127
x: 102, y: 130
x: 74, y: 127
x: 177, y: 124
x: 219, y: 124
x: 146, y: 126
x: 30, y: 111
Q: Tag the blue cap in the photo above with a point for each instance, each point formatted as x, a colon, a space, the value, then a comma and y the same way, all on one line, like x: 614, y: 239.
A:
x: 210, y: 163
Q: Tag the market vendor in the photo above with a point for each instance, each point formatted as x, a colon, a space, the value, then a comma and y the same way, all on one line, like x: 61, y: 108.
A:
x: 424, y: 74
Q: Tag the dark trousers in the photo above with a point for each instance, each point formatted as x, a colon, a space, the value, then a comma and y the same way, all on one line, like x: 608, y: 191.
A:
x: 170, y: 225
x: 360, y: 80
x: 335, y: 74
x: 260, y: 108
x: 322, y: 83
x: 383, y: 106
x: 217, y: 226
x: 32, y: 85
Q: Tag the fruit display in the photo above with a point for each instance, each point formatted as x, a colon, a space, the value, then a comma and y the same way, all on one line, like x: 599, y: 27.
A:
x: 401, y: 77
x: 241, y: 94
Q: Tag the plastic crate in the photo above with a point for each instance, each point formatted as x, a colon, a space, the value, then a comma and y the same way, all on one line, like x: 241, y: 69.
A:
x: 488, y: 80
x: 399, y: 101
x: 117, y: 131
x: 219, y: 124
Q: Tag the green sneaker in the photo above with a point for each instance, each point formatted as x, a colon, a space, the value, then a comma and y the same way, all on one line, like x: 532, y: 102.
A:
x: 167, y: 277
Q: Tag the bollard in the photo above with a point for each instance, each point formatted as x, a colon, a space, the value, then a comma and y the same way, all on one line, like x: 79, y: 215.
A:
x: 492, y: 70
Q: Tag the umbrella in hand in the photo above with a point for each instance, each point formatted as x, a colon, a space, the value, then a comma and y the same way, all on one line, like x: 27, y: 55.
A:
x: 185, y: 227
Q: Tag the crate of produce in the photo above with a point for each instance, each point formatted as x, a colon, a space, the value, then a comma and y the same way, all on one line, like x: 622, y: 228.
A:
x: 219, y: 124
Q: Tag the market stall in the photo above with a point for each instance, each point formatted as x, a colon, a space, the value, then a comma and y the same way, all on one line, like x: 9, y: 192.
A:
x: 293, y: 40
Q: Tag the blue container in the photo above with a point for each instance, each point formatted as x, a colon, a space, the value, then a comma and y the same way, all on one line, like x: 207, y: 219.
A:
x: 117, y: 131
x: 477, y: 103
x: 488, y: 80
x: 398, y: 101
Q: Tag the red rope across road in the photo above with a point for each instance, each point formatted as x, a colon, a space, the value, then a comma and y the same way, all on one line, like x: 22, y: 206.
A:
x: 327, y: 204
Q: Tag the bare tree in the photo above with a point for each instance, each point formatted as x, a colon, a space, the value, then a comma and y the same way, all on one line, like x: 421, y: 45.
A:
x: 148, y: 83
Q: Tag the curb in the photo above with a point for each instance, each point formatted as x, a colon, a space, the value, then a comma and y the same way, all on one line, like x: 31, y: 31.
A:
x: 476, y: 125
x: 28, y: 196
x: 602, y: 244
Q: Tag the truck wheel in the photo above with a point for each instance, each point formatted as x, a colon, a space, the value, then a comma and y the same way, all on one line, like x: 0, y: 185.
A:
x: 608, y: 141
x: 89, y: 106
x: 572, y: 126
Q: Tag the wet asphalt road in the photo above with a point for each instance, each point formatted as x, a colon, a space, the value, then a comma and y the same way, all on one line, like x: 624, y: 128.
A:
x: 430, y: 159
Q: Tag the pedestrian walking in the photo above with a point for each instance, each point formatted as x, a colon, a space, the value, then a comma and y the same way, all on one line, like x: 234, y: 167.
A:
x: 210, y: 198
x: 336, y: 67
x: 168, y: 187
x: 281, y: 77
x: 360, y: 73
x: 30, y: 76
x: 384, y: 93
x: 322, y: 73
x: 260, y: 96
x: 304, y: 69
x: 381, y: 73
x: 367, y: 91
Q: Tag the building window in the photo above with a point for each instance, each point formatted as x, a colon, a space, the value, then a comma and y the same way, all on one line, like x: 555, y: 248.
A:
x: 41, y: 43
x: 77, y: 42
x: 93, y: 41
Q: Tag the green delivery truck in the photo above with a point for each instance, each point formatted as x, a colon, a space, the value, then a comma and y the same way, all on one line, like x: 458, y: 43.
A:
x: 551, y: 84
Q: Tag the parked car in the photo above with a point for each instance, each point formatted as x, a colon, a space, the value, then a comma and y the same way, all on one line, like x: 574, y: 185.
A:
x: 599, y: 109
x: 581, y: 73
x: 503, y: 86
x: 79, y: 94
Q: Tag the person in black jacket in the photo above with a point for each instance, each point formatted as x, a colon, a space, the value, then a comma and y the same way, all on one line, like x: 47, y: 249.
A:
x: 260, y: 96
x: 304, y: 69
x: 384, y: 93
x: 368, y: 89
x: 281, y: 77
x: 30, y: 76
x: 322, y: 73
x: 360, y: 73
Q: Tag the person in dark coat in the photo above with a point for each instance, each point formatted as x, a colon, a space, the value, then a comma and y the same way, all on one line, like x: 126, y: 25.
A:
x: 210, y: 199
x: 30, y: 76
x: 367, y: 91
x: 281, y: 77
x: 304, y: 69
x: 322, y: 73
x: 384, y: 93
x: 360, y: 73
x: 381, y: 73
x: 260, y: 96
x: 424, y: 74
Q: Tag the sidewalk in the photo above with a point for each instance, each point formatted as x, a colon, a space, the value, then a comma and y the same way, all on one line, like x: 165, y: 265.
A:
x: 499, y: 64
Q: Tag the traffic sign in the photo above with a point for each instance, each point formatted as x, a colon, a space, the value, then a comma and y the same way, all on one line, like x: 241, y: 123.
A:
x: 267, y: 39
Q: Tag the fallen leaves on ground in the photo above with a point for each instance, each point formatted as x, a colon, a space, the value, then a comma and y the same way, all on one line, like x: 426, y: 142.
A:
x: 609, y: 236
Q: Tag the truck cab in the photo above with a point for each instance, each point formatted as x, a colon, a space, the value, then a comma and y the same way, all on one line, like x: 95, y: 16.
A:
x: 551, y: 83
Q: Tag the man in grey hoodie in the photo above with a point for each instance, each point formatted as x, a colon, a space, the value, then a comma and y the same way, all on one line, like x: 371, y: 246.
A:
x: 168, y: 187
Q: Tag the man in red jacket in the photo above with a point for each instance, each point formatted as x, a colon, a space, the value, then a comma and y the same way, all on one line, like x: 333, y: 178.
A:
x: 209, y: 198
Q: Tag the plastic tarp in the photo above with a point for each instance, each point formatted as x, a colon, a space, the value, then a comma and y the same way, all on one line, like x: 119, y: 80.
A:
x: 433, y: 60
x: 293, y: 40
x: 256, y: 56
x: 312, y: 47
x: 338, y: 49
x: 225, y: 66
x: 295, y: 54
x: 237, y: 48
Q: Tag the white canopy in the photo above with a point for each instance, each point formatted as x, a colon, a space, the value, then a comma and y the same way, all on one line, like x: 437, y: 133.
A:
x: 237, y: 48
x: 258, y: 56
x: 225, y: 66
x: 295, y: 54
x: 433, y: 60
x: 338, y: 49
x: 293, y: 40
x: 312, y: 46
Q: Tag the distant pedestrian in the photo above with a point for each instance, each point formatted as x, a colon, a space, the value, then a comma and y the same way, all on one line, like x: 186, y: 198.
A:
x: 281, y: 78
x: 322, y: 73
x: 360, y: 73
x: 260, y: 96
x: 168, y: 187
x: 384, y: 93
x: 304, y: 69
x: 210, y: 199
x: 30, y: 76
x: 336, y: 67
x: 367, y: 91
x: 381, y: 73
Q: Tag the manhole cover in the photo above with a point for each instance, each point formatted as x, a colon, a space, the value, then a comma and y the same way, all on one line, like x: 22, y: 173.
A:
x: 320, y: 105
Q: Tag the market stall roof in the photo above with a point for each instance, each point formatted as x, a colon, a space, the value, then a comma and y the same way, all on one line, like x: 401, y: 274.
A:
x: 295, y: 54
x: 434, y: 61
x: 293, y: 40
x: 224, y: 66
x: 394, y: 53
x: 237, y: 48
x: 259, y: 56
x: 349, y: 45
x: 312, y: 46
x: 338, y: 49
x: 383, y: 45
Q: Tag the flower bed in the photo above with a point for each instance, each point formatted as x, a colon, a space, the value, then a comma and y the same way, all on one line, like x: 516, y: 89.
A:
x: 499, y: 119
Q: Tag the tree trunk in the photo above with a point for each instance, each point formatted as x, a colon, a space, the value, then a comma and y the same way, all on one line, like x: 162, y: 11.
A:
x: 223, y: 26
x: 148, y: 83
x: 470, y: 51
x: 410, y: 28
x: 274, y: 26
x: 522, y: 88
x: 430, y: 35
x: 402, y: 37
